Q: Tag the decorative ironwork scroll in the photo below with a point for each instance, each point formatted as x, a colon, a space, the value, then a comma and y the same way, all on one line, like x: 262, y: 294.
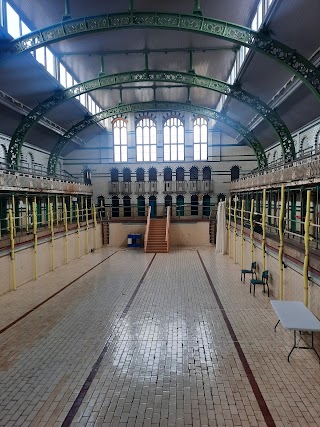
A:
x: 259, y: 41
x: 156, y: 106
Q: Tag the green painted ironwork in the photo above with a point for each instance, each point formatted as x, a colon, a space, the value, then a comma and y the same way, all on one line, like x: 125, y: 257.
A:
x: 190, y: 79
x: 156, y: 106
x: 259, y: 41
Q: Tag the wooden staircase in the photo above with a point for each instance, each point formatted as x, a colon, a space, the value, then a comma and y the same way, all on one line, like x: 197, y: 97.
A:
x: 157, y: 236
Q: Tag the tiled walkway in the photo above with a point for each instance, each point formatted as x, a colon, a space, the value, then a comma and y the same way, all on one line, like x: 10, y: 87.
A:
x: 142, y: 340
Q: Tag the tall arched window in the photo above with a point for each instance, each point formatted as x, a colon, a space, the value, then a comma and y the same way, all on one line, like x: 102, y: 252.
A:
x: 126, y: 174
x: 140, y: 175
x: 114, y: 175
x: 194, y: 174
x: 3, y: 153
x: 146, y: 135
x: 120, y: 141
x: 180, y: 174
x: 152, y: 174
x: 206, y: 173
x: 173, y: 144
x: 200, y: 139
x: 167, y: 174
x: 235, y: 172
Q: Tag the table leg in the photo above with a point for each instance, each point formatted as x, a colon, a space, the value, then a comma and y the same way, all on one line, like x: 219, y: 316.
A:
x: 294, y: 345
x: 276, y: 325
x: 313, y: 346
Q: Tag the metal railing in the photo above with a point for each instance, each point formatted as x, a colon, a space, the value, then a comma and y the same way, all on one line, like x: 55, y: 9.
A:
x: 168, y: 229
x: 147, y: 229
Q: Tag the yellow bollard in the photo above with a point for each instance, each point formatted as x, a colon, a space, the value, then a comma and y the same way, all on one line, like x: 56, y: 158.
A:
x: 13, y: 267
x: 65, y: 220
x: 306, y: 247
x: 235, y: 230
x: 251, y: 230
x: 52, y: 234
x: 78, y: 227
x: 14, y: 215
x: 95, y: 226
x: 35, y: 239
x: 57, y: 210
x: 281, y: 218
x: 263, y: 244
x: 87, y: 224
x: 229, y: 229
x: 242, y: 234
x: 27, y: 215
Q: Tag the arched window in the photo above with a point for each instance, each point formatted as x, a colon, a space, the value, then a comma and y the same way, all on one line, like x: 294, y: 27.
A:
x: 173, y: 144
x: 200, y: 139
x: 235, y: 173
x: 100, y: 201
x: 141, y: 205
x: 168, y: 200
x: 115, y: 206
x: 194, y: 174
x: 3, y: 153
x: 194, y: 204
x: 126, y: 175
x: 180, y: 174
x: 120, y: 141
x: 167, y: 174
x: 30, y: 161
x: 317, y: 141
x: 152, y: 174
x: 206, y: 205
x: 206, y: 174
x: 180, y: 205
x: 146, y: 135
x: 126, y: 206
x: 114, y: 175
x: 140, y: 175
x: 221, y: 197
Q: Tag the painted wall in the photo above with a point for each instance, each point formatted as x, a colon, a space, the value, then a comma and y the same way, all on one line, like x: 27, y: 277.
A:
x: 24, y: 258
x: 181, y: 234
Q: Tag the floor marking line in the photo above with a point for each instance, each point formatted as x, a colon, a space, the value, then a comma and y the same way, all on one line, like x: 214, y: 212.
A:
x: 53, y: 295
x: 79, y: 399
x: 254, y: 385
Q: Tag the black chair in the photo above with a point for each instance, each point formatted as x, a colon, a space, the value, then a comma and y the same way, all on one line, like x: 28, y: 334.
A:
x: 263, y: 282
x: 253, y: 271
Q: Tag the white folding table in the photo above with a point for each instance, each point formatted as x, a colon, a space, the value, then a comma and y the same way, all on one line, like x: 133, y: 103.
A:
x: 295, y: 316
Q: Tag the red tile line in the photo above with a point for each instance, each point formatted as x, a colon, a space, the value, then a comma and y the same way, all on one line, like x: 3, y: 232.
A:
x: 255, y: 388
x: 53, y: 295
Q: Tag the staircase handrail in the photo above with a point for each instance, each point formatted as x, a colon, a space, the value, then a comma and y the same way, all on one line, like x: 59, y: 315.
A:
x: 168, y: 227
x: 147, y: 229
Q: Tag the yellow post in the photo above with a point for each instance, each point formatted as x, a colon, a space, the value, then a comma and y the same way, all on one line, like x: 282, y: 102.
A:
x: 65, y: 220
x: 13, y: 267
x: 263, y: 245
x: 281, y: 218
x: 52, y: 234
x: 235, y: 230
x: 95, y: 226
x: 14, y: 215
x: 27, y: 215
x: 251, y: 230
x: 229, y: 229
x: 78, y: 226
x: 57, y: 210
x: 35, y: 238
x: 70, y: 215
x: 242, y: 234
x: 87, y: 224
x: 306, y: 247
